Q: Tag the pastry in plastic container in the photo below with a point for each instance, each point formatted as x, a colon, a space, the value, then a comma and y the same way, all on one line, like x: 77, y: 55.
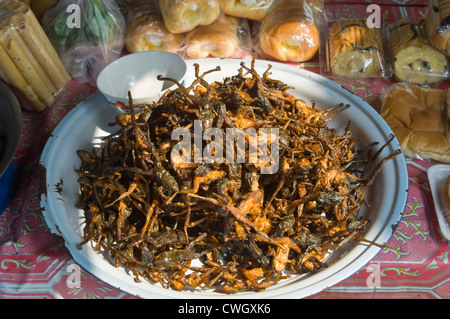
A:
x: 438, y: 24
x: 418, y: 116
x: 184, y: 15
x: 413, y: 57
x: 250, y: 9
x: 224, y: 38
x: 290, y: 31
x: 355, y: 50
x: 146, y: 29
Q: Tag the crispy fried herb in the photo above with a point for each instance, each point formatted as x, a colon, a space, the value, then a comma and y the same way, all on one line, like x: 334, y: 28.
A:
x: 224, y: 225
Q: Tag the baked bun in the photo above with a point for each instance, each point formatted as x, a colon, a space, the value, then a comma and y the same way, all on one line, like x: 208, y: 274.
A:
x: 184, y: 15
x: 418, y: 118
x: 355, y: 49
x: 146, y: 29
x: 289, y: 32
x: 438, y: 24
x: 415, y: 59
x: 250, y: 9
x: 219, y: 39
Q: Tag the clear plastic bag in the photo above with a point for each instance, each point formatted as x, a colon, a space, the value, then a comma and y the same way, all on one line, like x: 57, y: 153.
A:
x: 419, y: 118
x: 184, y: 15
x: 87, y: 38
x: 290, y: 32
x: 226, y: 37
x: 146, y: 29
x: 250, y: 9
x: 413, y: 58
x: 437, y: 25
x: 353, y: 50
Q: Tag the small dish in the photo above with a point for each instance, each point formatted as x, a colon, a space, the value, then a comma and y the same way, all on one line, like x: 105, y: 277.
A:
x: 437, y: 176
x: 137, y: 73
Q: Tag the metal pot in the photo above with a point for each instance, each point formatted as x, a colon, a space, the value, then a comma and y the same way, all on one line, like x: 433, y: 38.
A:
x: 10, y: 126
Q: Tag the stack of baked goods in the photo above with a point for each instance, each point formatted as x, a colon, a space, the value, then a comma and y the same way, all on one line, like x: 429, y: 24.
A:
x: 355, y: 50
x: 418, y: 116
x: 28, y: 61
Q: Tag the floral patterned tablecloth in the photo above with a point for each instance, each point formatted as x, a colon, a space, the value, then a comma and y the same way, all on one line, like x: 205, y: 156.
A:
x: 34, y: 264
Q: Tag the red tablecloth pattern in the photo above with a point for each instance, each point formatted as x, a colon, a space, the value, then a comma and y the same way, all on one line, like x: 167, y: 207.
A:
x: 34, y: 264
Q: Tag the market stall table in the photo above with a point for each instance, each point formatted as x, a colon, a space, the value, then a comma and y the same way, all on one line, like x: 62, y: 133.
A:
x: 34, y: 264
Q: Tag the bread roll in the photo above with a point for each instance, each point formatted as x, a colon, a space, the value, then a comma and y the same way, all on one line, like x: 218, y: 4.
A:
x: 355, y: 49
x: 219, y: 39
x: 438, y: 24
x: 146, y: 29
x: 184, y: 15
x: 415, y: 59
x: 419, y: 120
x: 289, y: 32
x: 250, y: 9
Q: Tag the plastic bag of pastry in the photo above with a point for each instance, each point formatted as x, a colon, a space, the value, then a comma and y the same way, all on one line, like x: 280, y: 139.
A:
x: 227, y: 37
x: 87, y: 39
x: 184, y: 15
x: 290, y: 31
x: 418, y: 117
x: 414, y: 59
x: 355, y: 50
x: 146, y: 29
x: 438, y: 24
x: 250, y: 9
x: 28, y: 61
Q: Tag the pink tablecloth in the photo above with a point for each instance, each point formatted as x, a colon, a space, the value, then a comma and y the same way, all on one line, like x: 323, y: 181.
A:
x: 34, y: 264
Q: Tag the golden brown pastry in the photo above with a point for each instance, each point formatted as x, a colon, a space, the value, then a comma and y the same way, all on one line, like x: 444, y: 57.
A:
x: 184, y: 15
x: 219, y: 39
x: 438, y: 24
x: 415, y: 59
x: 419, y: 120
x: 289, y: 32
x: 146, y: 29
x: 355, y: 49
x: 250, y: 9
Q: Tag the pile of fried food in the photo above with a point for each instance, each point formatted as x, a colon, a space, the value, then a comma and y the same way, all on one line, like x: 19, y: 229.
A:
x: 225, y: 226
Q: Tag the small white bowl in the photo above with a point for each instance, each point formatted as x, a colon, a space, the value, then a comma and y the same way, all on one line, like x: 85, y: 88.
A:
x: 137, y: 73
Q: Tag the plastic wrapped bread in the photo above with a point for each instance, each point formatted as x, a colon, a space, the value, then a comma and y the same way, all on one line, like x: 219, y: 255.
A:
x: 290, y: 31
x: 146, y: 29
x: 438, y: 24
x: 250, y: 9
x: 224, y: 38
x: 184, y: 15
x: 355, y: 50
x: 28, y: 61
x: 418, y: 117
x: 415, y: 59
